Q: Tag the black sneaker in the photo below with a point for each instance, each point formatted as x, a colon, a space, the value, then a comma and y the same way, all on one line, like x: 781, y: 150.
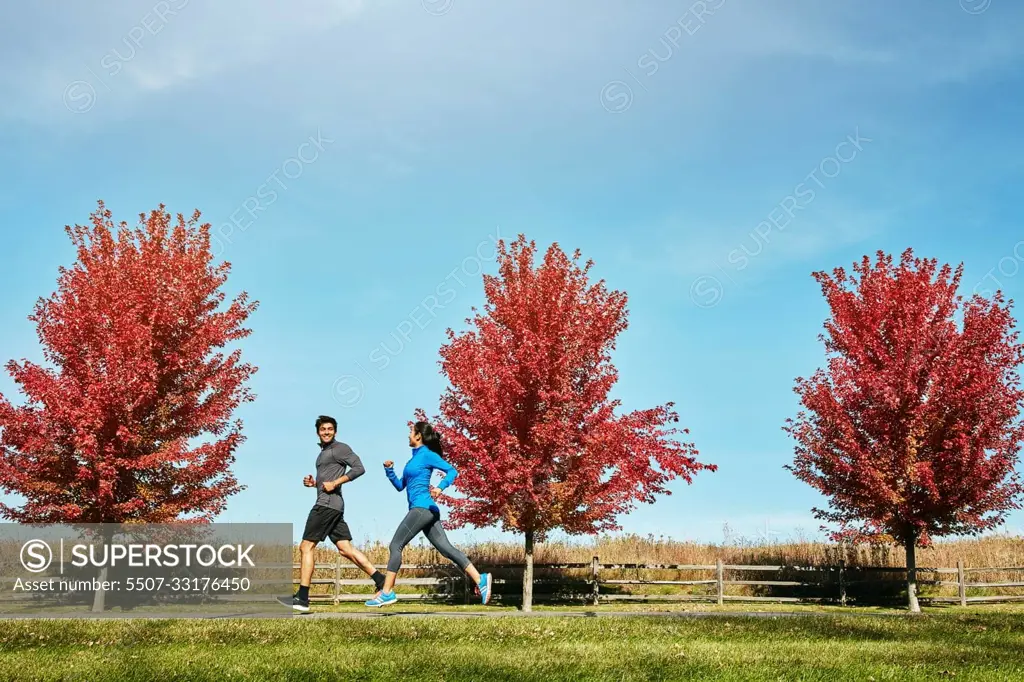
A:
x: 300, y: 605
x: 379, y: 583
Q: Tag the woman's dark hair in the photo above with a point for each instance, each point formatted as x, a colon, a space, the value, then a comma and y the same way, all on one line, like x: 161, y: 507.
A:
x: 324, y: 419
x: 430, y: 437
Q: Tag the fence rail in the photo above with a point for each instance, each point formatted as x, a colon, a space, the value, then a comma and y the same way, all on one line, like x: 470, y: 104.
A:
x: 832, y: 586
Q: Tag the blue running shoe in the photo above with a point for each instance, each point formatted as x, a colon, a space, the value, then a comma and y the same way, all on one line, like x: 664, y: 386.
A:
x: 485, y: 587
x: 383, y: 599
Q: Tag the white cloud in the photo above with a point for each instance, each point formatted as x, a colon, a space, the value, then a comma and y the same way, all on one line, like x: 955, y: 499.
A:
x: 406, y: 86
x: 484, y: 58
x: 131, y: 49
x: 686, y: 248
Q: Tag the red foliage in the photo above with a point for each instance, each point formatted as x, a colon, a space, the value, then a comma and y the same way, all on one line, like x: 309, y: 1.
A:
x: 912, y: 432
x: 132, y: 333
x: 527, y: 419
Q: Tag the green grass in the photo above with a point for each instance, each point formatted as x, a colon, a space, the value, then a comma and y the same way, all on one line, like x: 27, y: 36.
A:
x: 961, y: 645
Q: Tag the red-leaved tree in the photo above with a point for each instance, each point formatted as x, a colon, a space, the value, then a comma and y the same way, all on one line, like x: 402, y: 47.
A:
x: 913, y: 430
x: 527, y: 419
x: 132, y: 419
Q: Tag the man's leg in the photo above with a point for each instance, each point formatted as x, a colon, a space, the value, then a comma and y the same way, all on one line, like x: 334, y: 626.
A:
x: 307, y: 550
x: 341, y: 536
x: 349, y: 551
x: 315, y: 531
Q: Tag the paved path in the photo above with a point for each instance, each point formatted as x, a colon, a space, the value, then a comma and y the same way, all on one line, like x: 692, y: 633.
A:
x: 363, y: 615
x: 581, y: 614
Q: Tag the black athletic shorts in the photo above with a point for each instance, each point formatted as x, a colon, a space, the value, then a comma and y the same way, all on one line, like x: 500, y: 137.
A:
x: 325, y: 522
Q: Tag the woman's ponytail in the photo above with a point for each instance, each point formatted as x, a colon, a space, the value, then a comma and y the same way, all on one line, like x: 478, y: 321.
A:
x: 430, y: 437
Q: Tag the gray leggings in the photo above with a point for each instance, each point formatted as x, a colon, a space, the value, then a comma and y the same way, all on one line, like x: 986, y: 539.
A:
x: 426, y: 520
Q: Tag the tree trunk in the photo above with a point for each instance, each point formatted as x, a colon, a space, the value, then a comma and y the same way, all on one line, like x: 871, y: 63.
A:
x: 99, y: 597
x: 911, y: 546
x: 528, y: 574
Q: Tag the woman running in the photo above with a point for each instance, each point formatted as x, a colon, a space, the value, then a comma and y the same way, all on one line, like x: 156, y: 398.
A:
x: 424, y: 516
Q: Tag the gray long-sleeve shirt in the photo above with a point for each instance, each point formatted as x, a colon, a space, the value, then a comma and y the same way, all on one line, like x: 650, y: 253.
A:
x: 331, y: 464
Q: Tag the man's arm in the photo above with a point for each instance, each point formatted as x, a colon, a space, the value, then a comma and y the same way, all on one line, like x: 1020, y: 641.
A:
x: 355, y: 465
x: 355, y: 470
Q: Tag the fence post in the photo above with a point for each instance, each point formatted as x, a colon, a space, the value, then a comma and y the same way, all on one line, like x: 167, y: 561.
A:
x: 721, y: 582
x: 961, y: 582
x: 596, y: 594
x: 337, y: 581
x: 842, y: 582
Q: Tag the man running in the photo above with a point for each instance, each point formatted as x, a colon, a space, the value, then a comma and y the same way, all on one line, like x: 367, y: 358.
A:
x: 335, y: 466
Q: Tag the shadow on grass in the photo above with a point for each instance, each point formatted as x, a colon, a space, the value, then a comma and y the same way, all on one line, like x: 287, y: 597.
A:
x: 533, y: 665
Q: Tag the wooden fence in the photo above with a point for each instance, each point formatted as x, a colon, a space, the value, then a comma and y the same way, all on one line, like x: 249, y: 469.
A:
x: 815, y: 583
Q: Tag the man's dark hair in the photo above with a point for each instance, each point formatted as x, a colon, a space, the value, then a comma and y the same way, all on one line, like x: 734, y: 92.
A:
x: 324, y: 419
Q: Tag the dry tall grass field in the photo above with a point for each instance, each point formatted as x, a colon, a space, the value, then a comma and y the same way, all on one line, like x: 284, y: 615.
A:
x: 863, y: 587
x: 993, y: 551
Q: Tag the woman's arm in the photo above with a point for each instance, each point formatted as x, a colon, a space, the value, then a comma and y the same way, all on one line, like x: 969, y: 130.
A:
x: 395, y: 480
x: 450, y: 474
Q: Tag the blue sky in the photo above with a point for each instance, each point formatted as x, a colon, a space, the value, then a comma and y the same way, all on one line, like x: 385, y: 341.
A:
x: 707, y: 156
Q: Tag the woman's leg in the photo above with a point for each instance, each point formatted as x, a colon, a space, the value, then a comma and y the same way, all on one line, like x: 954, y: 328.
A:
x: 435, y: 533
x: 415, y: 521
